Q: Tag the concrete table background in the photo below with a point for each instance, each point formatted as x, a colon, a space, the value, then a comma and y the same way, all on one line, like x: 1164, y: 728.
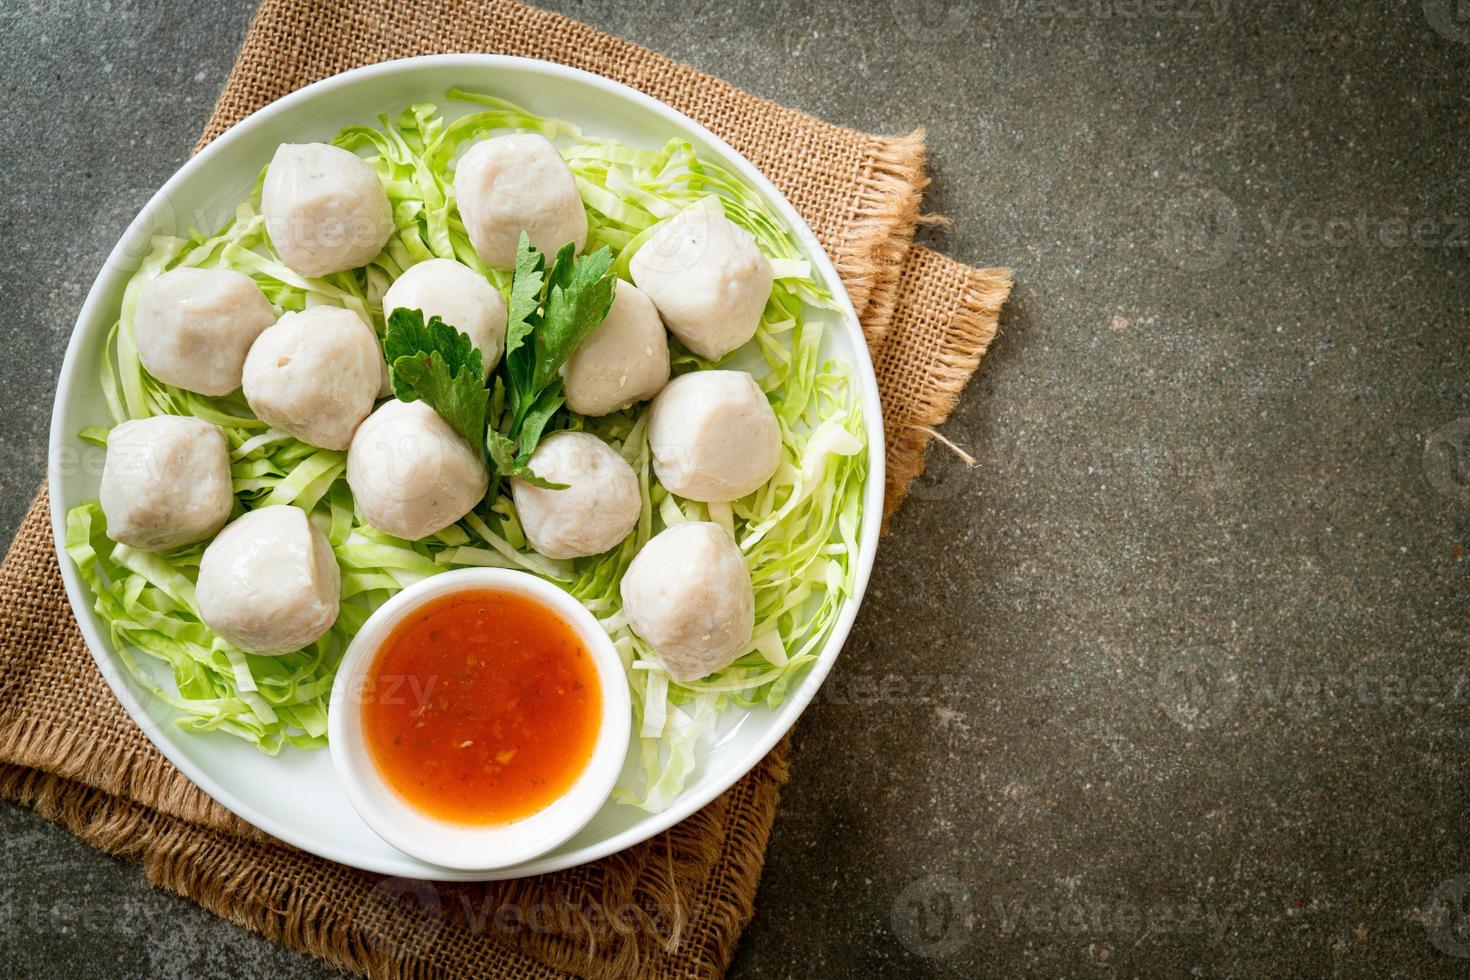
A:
x: 1174, y: 681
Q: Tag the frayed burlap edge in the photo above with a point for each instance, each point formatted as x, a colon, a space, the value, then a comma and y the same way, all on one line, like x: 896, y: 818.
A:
x: 253, y: 883
x: 169, y: 851
x: 884, y: 213
x: 150, y: 779
x: 911, y: 412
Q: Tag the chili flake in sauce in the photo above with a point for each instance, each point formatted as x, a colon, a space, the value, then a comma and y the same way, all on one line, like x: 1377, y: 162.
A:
x: 482, y: 707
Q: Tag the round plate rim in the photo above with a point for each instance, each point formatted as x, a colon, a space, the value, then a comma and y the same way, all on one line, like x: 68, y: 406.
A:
x: 782, y: 719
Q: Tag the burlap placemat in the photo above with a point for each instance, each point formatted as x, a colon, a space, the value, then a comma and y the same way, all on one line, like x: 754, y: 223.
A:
x: 673, y: 906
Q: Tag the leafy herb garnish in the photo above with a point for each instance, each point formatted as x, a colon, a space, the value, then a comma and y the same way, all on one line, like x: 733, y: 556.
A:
x: 550, y: 313
x: 438, y: 364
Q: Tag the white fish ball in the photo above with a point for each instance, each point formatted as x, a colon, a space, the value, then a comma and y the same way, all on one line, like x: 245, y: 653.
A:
x: 325, y: 209
x: 411, y: 473
x: 708, y: 278
x: 509, y: 184
x: 315, y: 374
x: 625, y: 359
x: 269, y: 583
x: 459, y: 296
x: 714, y: 436
x: 165, y: 482
x: 193, y: 327
x: 595, y: 511
x: 688, y: 595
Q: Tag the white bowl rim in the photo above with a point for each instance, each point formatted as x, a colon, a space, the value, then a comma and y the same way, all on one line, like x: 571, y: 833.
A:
x: 495, y: 846
x: 688, y: 802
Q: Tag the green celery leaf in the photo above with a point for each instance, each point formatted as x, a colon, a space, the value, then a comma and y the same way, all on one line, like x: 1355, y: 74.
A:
x: 523, y: 308
x: 577, y: 302
x: 562, y: 267
x: 547, y: 402
x: 440, y: 366
x: 408, y: 334
x: 523, y: 472
x: 503, y: 454
x: 502, y: 451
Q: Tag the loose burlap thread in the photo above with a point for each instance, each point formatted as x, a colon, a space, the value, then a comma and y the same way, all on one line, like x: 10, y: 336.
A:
x: 672, y: 906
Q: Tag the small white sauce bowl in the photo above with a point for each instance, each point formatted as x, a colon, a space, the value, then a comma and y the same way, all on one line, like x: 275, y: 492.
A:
x: 458, y: 846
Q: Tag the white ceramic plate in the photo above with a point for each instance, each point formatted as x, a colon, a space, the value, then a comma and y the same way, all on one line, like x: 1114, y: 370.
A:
x: 295, y: 796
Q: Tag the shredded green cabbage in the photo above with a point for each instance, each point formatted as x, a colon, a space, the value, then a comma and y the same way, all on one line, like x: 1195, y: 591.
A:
x: 799, y: 532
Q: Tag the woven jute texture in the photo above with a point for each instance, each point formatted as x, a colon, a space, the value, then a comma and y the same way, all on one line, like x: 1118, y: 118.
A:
x: 673, y: 906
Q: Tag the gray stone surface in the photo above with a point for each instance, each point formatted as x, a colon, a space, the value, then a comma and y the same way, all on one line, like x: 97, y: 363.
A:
x: 1175, y: 681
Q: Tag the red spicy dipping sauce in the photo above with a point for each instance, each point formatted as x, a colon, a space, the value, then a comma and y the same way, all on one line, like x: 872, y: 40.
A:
x: 482, y: 707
